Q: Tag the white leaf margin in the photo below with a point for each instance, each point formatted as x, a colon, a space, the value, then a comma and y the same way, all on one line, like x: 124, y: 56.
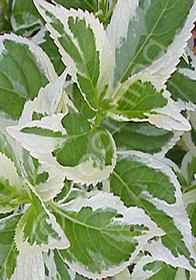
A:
x: 41, y: 58
x: 132, y: 215
x: 176, y: 211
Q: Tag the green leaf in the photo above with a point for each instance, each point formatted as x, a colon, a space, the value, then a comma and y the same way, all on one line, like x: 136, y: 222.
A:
x: 144, y: 181
x: 18, y: 60
x: 140, y: 136
x: 182, y: 85
x: 8, y: 251
x: 25, y: 18
x: 151, y: 29
x: 104, y: 235
x: 138, y: 100
x: 75, y: 124
x: 4, y: 24
x: 12, y: 190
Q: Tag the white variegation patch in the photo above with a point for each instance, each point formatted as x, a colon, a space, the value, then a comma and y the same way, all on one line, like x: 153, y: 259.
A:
x: 124, y: 275
x: 117, y: 29
x: 30, y: 265
x: 176, y: 211
x: 139, y: 273
x: 42, y: 60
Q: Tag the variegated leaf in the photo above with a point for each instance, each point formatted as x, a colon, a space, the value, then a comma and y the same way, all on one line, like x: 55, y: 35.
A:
x: 24, y: 68
x: 142, y: 41
x: 24, y: 17
x: 142, y: 137
x: 104, y: 235
x: 37, y: 232
x: 89, y: 56
x: 68, y: 143
x: 145, y: 181
x: 168, y: 117
x: 139, y: 100
x: 189, y: 168
x: 162, y: 68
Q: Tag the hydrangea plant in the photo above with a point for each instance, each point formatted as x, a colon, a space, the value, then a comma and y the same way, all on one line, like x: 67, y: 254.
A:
x: 97, y: 140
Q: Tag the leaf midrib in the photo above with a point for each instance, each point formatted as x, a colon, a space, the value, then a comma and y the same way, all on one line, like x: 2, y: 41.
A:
x: 146, y: 40
x: 14, y: 92
x: 75, y: 221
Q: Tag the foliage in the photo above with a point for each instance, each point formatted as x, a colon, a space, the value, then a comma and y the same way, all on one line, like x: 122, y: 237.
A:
x: 97, y: 140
